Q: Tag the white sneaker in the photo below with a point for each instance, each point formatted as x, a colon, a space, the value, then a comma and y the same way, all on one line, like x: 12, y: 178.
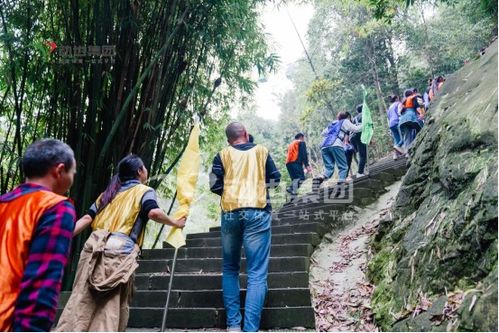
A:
x: 399, y: 149
x: 359, y: 175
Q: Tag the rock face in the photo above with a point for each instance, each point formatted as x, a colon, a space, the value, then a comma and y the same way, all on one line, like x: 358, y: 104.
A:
x: 435, y: 266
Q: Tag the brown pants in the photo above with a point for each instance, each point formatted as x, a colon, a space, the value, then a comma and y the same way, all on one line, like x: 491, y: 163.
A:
x: 102, y: 289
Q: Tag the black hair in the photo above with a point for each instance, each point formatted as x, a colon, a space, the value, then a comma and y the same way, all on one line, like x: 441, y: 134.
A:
x: 44, y: 154
x: 393, y: 98
x: 128, y: 169
x: 408, y: 92
x: 349, y: 115
x: 358, y: 108
x: 299, y: 136
x: 251, y: 138
x: 342, y: 115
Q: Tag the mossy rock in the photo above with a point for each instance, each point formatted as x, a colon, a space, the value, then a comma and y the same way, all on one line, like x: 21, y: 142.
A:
x: 443, y: 236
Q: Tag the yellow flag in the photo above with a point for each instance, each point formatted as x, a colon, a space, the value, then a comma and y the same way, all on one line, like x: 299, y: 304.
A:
x: 187, y: 177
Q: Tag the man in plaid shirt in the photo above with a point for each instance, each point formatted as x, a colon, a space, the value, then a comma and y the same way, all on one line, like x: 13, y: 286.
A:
x: 36, y: 226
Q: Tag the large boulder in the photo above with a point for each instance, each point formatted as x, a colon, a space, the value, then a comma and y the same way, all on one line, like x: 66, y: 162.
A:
x: 435, y: 266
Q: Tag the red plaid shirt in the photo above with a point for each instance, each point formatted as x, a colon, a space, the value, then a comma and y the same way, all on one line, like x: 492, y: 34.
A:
x: 41, y: 283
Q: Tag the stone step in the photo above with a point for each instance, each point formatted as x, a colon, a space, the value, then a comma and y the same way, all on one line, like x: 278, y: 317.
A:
x: 199, y: 265
x: 192, y: 318
x: 325, y: 212
x: 196, y: 299
x: 380, y: 174
x: 301, y: 238
x: 317, y: 227
x: 364, y: 182
x: 213, y: 298
x: 326, y: 201
x: 276, y: 250
x: 276, y: 297
x: 339, y: 194
x: 186, y: 281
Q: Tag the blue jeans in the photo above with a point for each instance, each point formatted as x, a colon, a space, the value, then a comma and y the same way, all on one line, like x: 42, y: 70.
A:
x: 408, y: 131
x: 332, y: 155
x: 397, y: 138
x: 251, y: 228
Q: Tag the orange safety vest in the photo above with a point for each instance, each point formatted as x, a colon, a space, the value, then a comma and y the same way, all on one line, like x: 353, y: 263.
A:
x: 409, y: 102
x: 18, y: 221
x: 293, y: 150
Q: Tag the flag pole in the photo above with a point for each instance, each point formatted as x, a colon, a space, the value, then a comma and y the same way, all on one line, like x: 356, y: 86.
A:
x: 172, y: 272
x: 186, y: 182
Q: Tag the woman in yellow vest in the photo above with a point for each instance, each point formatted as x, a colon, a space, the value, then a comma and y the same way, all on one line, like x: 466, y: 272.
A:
x: 104, y: 278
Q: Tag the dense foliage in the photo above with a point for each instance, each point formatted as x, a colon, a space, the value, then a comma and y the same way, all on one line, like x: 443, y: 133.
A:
x: 349, y: 47
x: 111, y: 77
x: 170, y: 58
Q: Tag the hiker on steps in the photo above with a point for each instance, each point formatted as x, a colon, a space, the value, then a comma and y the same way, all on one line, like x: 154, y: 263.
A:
x: 360, y: 148
x: 393, y: 123
x: 36, y: 223
x: 241, y: 175
x: 104, y: 278
x: 436, y: 85
x: 421, y: 110
x: 333, y: 148
x: 296, y: 162
x: 349, y: 151
x: 409, y: 122
x: 426, y: 95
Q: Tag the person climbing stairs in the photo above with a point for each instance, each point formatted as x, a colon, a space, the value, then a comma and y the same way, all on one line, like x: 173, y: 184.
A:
x: 196, y: 300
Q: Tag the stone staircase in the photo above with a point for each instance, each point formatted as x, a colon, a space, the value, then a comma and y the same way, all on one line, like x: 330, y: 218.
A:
x: 196, y: 298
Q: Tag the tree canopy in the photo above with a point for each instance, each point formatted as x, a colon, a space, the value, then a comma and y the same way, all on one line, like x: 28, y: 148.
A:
x: 125, y: 76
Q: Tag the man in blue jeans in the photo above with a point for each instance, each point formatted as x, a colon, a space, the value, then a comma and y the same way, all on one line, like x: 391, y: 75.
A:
x: 241, y: 175
x: 333, y: 147
x: 393, y: 123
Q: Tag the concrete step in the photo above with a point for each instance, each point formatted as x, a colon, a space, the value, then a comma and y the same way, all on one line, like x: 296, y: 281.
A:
x: 192, y: 318
x: 213, y: 298
x: 276, y: 264
x: 317, y: 227
x: 276, y: 250
x: 187, y: 281
x: 301, y: 238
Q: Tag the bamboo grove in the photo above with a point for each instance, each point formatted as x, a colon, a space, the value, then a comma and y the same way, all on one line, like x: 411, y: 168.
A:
x: 170, y: 59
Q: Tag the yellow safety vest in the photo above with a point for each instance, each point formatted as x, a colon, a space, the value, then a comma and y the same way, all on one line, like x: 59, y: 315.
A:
x: 244, y: 178
x: 122, y: 212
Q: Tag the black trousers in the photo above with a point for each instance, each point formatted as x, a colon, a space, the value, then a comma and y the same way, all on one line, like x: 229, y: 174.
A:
x: 349, y: 154
x: 360, y: 148
x: 297, y: 176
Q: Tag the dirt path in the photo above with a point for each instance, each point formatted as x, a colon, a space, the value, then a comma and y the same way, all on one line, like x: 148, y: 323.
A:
x: 340, y: 291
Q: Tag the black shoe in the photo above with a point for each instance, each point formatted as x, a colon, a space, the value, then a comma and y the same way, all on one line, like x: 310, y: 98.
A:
x: 316, y: 183
x: 341, y: 189
x: 318, y: 180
